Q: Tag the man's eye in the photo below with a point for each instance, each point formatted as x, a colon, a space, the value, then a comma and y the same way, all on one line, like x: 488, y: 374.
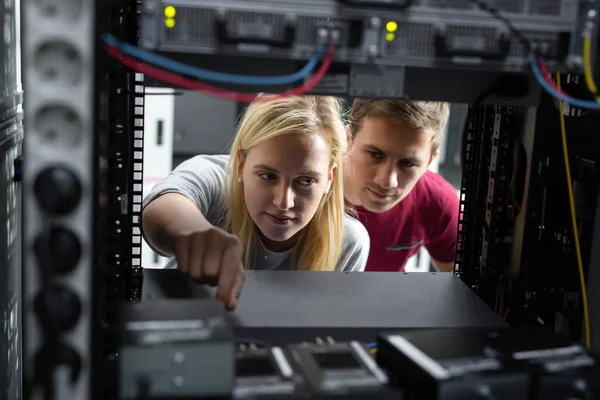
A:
x: 306, y: 182
x: 375, y: 154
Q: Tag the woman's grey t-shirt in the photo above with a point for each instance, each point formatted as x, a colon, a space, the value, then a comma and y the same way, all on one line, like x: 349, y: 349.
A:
x: 202, y: 180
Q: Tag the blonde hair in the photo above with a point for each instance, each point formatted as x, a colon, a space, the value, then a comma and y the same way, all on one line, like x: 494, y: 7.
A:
x: 319, y: 247
x: 432, y: 115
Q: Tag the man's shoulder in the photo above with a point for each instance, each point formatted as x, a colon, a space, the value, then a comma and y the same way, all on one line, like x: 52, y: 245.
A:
x: 435, y: 184
x: 433, y: 191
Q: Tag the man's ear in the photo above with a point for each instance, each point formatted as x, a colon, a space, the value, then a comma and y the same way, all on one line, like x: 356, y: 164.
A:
x: 349, y: 137
x: 433, y: 156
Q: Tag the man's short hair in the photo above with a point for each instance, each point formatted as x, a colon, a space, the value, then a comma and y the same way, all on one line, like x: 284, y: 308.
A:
x: 432, y: 115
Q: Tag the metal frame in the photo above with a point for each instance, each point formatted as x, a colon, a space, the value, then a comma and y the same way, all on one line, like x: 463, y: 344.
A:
x: 469, y: 230
x: 11, y: 365
x: 542, y: 288
x: 125, y: 152
x: 11, y: 138
x: 121, y: 182
x: 481, y: 250
x: 593, y: 283
x: 60, y: 126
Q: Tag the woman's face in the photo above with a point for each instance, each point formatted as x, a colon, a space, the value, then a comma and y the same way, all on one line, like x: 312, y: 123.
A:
x: 284, y: 180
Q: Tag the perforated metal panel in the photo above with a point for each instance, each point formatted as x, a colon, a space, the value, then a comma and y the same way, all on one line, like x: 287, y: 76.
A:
x: 460, y: 4
x: 511, y: 6
x: 548, y: 7
x: 412, y: 43
x: 412, y: 40
x: 527, y: 7
x: 137, y: 187
x: 195, y: 26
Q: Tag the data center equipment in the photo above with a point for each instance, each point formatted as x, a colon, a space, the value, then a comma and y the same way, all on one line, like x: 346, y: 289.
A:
x: 179, y: 349
x: 266, y: 373
x: 430, y: 32
x: 382, y: 48
x: 516, y: 231
x: 326, y: 300
x: 85, y: 65
x: 476, y: 364
x: 342, y: 370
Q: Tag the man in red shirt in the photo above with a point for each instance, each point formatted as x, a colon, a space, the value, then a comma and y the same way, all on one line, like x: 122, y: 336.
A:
x: 403, y: 205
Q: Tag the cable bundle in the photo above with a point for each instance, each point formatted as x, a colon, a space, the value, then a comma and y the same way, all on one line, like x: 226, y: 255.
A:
x: 174, y: 72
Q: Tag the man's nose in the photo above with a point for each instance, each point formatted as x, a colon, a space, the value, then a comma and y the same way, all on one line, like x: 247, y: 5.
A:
x: 284, y: 198
x: 387, y: 176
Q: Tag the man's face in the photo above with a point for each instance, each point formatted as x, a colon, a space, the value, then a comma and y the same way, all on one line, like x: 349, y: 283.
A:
x: 385, y: 162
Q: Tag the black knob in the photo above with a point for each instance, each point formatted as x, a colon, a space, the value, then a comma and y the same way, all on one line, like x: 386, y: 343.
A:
x: 53, y: 355
x: 58, y: 309
x: 57, y: 190
x: 58, y: 250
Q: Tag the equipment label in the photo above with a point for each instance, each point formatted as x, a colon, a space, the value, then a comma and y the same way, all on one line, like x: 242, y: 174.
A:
x: 330, y: 84
x: 376, y: 80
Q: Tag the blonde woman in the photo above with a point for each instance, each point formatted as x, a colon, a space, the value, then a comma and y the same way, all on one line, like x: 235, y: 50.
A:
x: 275, y: 203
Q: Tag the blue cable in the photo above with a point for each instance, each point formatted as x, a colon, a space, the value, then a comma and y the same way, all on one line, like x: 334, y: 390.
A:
x: 372, y: 345
x: 554, y: 93
x: 207, y: 75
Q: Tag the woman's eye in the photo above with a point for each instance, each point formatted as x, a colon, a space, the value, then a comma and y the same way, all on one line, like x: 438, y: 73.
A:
x: 267, y: 177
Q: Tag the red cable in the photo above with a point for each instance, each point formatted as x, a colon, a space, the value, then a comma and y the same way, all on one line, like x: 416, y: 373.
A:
x: 187, y: 83
x: 507, y: 313
x: 548, y: 76
x: 546, y: 73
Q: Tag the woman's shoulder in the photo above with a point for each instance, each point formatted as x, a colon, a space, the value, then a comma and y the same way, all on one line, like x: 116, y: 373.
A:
x: 355, y: 246
x: 202, y: 179
x: 354, y: 231
x: 200, y: 162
